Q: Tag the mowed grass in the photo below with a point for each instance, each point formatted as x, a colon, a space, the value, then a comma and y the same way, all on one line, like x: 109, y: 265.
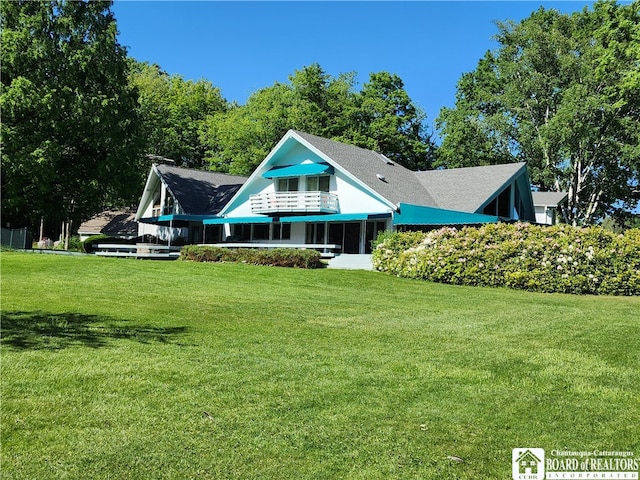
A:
x: 116, y: 369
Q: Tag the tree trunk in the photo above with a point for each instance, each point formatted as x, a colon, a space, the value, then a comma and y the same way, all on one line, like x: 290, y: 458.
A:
x: 67, y: 234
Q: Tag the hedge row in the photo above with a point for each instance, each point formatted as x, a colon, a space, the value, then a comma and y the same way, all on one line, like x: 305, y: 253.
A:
x: 277, y: 257
x: 561, y: 258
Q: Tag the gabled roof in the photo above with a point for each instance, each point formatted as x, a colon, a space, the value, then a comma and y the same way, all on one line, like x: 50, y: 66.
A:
x: 197, y: 191
x: 461, y: 189
x: 116, y: 223
x: 471, y: 188
x: 398, y: 184
x: 548, y: 199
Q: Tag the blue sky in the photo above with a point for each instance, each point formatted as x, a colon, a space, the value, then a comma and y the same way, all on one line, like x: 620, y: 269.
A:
x: 244, y: 46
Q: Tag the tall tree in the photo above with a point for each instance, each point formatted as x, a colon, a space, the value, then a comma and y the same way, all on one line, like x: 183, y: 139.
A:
x: 320, y: 101
x: 386, y: 120
x: 69, y: 117
x: 562, y: 93
x: 380, y: 117
x: 173, y: 112
x: 311, y: 101
x: 239, y: 139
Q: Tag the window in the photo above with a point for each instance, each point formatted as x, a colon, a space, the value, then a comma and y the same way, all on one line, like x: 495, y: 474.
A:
x: 491, y: 209
x: 281, y: 231
x: 260, y: 231
x: 287, y: 184
x: 504, y: 203
x: 318, y: 184
x: 168, y: 209
x: 315, y: 233
x: 501, y: 205
x: 212, y: 233
x: 241, y: 232
x: 373, y: 229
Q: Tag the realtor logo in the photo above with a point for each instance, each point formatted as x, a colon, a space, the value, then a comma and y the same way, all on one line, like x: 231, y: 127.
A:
x: 528, y: 463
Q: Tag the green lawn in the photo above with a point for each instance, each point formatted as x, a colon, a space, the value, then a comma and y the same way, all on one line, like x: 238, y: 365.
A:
x: 116, y: 368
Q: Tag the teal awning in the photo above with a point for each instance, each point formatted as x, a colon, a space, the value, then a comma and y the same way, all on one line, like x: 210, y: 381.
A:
x: 231, y: 220
x: 336, y: 217
x: 176, y: 219
x: 421, y: 215
x: 299, y: 170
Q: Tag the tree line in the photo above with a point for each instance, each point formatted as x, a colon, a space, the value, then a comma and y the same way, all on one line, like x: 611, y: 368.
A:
x: 80, y: 118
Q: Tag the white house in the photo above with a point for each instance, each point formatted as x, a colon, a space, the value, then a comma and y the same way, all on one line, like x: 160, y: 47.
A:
x: 319, y: 193
x: 547, y: 205
x: 176, y: 200
x: 115, y: 223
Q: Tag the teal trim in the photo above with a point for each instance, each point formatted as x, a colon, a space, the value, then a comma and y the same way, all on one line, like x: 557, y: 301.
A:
x: 299, y: 170
x: 232, y: 220
x: 421, y: 215
x: 180, y: 218
x: 337, y: 217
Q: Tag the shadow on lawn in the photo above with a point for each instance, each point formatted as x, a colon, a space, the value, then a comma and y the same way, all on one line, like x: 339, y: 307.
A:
x: 55, y: 331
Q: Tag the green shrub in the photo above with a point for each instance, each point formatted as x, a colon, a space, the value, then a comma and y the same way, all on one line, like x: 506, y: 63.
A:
x: 88, y: 246
x: 75, y: 245
x: 529, y: 257
x: 277, y: 257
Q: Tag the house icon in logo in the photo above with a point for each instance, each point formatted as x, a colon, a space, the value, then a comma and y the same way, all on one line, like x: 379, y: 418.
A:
x: 528, y: 463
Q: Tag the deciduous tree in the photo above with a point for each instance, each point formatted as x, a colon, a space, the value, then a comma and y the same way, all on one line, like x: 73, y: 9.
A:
x: 562, y: 92
x: 381, y: 117
x: 69, y: 117
x: 173, y: 112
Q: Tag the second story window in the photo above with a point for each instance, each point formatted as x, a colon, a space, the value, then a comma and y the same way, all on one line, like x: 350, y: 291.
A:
x: 288, y: 184
x: 318, y: 184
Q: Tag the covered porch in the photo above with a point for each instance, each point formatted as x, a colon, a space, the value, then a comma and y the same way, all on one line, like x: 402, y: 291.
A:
x: 331, y: 234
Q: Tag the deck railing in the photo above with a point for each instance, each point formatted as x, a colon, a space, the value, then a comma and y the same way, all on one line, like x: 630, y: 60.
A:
x: 293, y: 202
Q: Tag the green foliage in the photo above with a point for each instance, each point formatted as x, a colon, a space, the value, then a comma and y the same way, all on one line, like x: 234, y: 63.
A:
x: 88, y: 245
x: 620, y: 223
x: 385, y: 119
x: 561, y: 93
x: 276, y: 257
x: 238, y: 140
x: 173, y: 113
x: 380, y: 117
x: 75, y: 245
x: 69, y: 118
x: 560, y: 259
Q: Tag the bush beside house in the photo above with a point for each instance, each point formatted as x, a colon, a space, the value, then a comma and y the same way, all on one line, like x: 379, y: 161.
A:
x: 277, y: 257
x: 559, y: 259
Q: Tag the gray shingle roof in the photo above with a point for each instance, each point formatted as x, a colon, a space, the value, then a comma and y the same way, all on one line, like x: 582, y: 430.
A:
x: 468, y: 189
x: 462, y: 189
x: 400, y: 184
x: 200, y: 192
x: 548, y: 199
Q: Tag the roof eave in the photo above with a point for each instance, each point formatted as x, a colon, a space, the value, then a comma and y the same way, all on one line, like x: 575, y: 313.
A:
x: 335, y: 164
x: 292, y: 134
x: 256, y: 173
x: 506, y: 183
x: 148, y: 191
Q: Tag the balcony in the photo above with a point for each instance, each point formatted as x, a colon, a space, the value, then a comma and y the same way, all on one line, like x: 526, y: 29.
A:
x: 294, y: 202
